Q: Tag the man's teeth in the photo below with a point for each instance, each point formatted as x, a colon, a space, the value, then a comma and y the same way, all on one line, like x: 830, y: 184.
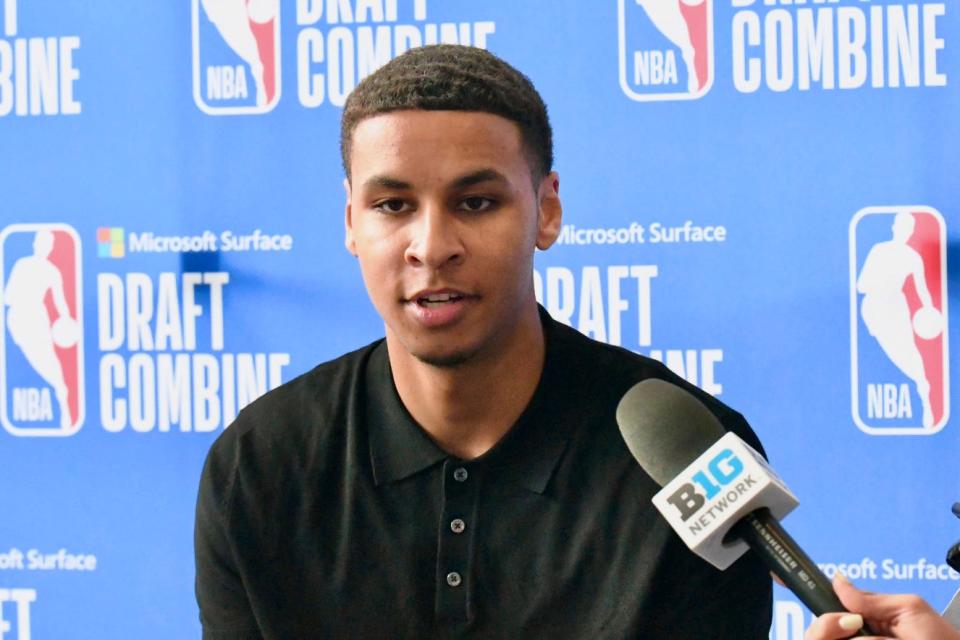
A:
x: 439, y: 298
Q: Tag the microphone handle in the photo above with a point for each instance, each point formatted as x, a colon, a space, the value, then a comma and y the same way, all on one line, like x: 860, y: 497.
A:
x: 784, y: 557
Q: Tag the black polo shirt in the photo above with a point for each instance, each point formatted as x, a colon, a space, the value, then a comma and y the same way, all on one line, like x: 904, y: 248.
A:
x: 325, y: 511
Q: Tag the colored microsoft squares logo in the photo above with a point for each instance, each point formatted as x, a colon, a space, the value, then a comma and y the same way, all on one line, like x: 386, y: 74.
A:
x: 110, y: 242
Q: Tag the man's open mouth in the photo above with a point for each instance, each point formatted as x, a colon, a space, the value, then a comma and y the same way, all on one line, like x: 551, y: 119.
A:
x: 437, y: 299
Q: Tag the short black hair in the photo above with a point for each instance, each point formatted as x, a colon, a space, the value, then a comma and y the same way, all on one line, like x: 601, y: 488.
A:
x: 448, y: 77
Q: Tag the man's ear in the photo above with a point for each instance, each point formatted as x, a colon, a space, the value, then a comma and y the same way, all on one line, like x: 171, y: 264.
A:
x: 348, y: 240
x: 550, y: 211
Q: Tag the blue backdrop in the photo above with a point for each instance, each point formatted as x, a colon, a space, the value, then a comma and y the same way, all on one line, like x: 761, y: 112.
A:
x: 172, y: 247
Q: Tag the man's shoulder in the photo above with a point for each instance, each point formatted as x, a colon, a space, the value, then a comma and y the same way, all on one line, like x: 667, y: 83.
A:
x: 608, y: 371
x: 303, y: 409
x: 613, y: 366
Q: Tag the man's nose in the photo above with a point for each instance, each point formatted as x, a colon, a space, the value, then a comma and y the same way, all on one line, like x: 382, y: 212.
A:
x: 435, y: 239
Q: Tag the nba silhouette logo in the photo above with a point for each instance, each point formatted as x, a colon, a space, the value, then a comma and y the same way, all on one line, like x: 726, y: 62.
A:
x: 666, y: 48
x: 898, y: 321
x: 236, y: 56
x: 41, y: 316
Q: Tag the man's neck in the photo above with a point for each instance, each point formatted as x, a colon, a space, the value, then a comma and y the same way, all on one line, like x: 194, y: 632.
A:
x: 468, y: 408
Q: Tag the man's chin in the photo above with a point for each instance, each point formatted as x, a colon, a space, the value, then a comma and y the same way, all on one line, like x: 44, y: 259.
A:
x: 447, y: 359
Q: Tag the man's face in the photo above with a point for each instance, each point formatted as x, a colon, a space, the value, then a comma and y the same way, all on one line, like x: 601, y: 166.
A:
x: 444, y: 217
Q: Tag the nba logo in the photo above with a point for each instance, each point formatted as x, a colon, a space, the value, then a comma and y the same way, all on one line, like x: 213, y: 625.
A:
x: 236, y: 56
x: 666, y: 48
x: 41, y: 316
x: 898, y: 321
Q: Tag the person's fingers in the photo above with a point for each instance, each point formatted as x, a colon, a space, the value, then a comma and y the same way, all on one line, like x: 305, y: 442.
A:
x: 834, y: 626
x: 875, y: 606
x: 852, y: 598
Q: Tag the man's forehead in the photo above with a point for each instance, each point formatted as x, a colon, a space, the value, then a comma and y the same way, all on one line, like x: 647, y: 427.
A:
x: 424, y: 125
x: 456, y: 142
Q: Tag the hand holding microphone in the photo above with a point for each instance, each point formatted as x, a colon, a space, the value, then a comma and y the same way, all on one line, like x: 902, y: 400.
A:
x: 893, y: 616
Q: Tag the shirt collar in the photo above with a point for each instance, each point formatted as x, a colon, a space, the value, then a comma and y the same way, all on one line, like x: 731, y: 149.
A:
x: 399, y: 447
x: 527, y: 455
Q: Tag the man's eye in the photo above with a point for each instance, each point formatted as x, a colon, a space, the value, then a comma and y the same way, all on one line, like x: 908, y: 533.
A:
x: 393, y: 205
x: 476, y: 203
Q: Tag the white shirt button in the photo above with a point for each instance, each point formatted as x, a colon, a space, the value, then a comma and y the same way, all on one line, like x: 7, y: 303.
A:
x: 454, y: 579
x: 457, y: 525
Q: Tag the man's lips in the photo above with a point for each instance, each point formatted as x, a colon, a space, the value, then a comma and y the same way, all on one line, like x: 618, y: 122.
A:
x: 437, y: 297
x: 439, y: 308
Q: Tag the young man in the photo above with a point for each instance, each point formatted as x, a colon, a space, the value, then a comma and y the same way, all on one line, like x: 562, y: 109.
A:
x: 463, y: 477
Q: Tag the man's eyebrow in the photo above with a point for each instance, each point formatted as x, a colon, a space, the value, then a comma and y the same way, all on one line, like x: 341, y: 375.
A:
x: 477, y: 177
x: 386, y: 182
x: 468, y: 180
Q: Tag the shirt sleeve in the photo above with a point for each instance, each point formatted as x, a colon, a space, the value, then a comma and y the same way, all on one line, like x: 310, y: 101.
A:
x: 740, y: 604
x: 225, y: 611
x: 694, y: 600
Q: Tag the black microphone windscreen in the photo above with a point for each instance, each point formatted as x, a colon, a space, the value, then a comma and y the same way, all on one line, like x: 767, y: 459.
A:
x: 665, y: 427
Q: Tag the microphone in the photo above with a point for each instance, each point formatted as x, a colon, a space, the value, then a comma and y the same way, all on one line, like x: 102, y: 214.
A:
x: 719, y: 495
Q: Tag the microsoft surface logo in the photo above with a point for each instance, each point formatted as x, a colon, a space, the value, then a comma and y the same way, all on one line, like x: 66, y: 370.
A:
x: 110, y: 242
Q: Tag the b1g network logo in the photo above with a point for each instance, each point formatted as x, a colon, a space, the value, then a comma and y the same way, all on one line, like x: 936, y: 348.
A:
x: 666, y: 48
x: 236, y: 56
x: 41, y: 350
x: 898, y: 320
